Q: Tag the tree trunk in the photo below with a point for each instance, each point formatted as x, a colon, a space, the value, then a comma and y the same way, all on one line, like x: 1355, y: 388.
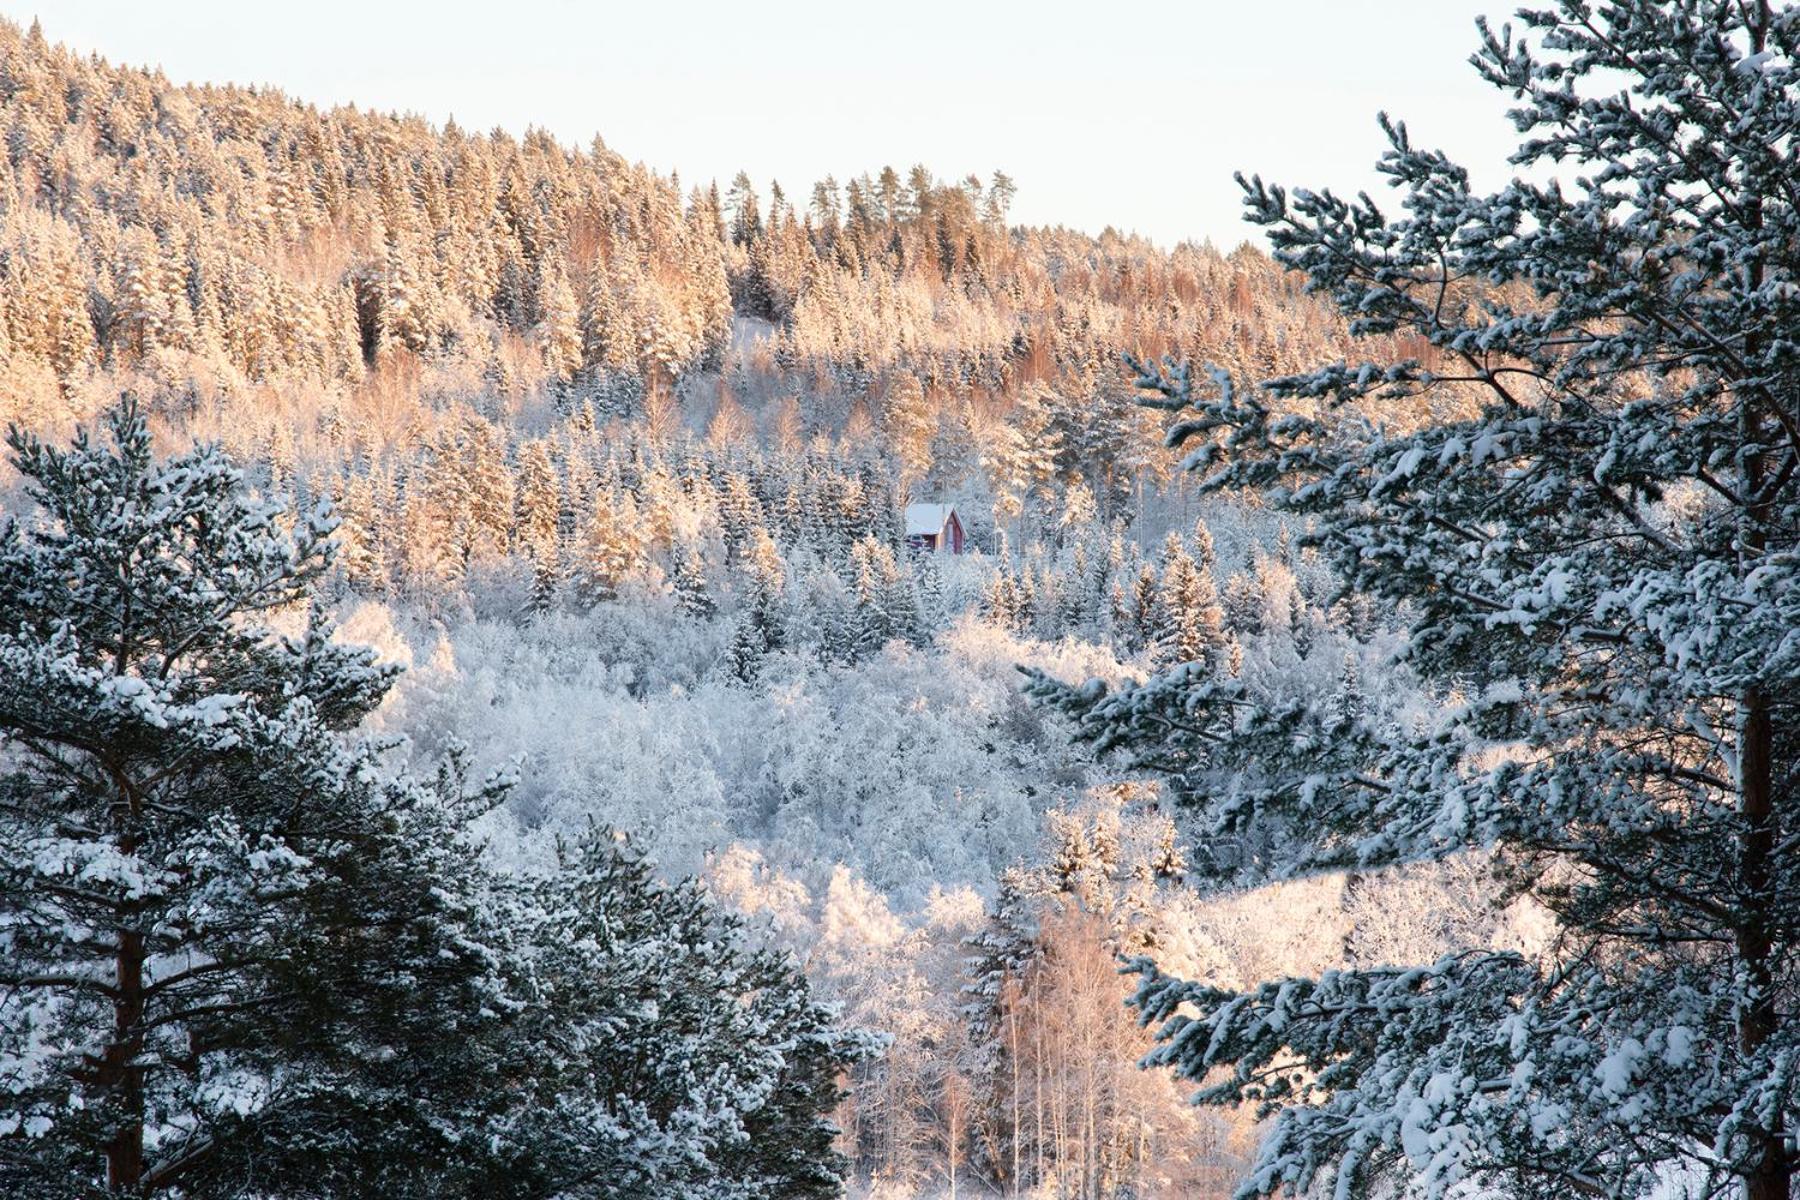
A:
x: 120, y: 1072
x: 1018, y: 1130
x: 1771, y: 1170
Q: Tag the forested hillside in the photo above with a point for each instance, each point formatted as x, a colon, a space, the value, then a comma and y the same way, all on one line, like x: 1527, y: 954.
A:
x: 230, y: 239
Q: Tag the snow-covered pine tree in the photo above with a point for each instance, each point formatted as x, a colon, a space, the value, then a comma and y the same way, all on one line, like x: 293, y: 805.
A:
x: 491, y: 502
x: 886, y: 607
x: 363, y: 535
x: 767, y: 580
x: 605, y: 344
x: 834, y: 616
x: 761, y: 626
x: 929, y: 583
x: 687, y: 578
x: 1300, y: 624
x: 1347, y: 705
x: 746, y: 218
x: 908, y: 424
x: 1000, y: 600
x: 678, y: 1059
x: 1245, y: 604
x: 1029, y: 599
x: 1601, y: 548
x: 1190, y: 624
x: 608, y: 551
x: 559, y: 320
x: 744, y: 652
x: 1205, y: 553
x: 537, y: 513
x: 741, y: 517
x: 236, y: 956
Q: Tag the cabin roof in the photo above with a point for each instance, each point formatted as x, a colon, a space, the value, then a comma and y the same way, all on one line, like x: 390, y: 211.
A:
x: 927, y: 518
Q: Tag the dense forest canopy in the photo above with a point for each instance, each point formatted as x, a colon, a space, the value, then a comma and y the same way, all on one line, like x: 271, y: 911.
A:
x: 236, y: 235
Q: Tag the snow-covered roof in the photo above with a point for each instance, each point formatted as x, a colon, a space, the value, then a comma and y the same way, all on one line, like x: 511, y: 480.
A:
x: 927, y: 518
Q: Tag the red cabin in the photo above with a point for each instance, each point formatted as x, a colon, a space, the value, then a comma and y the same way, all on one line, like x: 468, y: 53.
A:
x: 934, y: 528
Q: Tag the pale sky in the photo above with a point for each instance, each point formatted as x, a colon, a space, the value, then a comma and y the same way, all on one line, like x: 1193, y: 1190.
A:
x: 1131, y: 113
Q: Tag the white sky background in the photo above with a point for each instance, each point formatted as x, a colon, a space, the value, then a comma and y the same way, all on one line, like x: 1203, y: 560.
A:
x: 1128, y: 113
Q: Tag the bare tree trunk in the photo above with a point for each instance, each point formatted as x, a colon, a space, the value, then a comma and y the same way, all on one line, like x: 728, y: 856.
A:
x: 953, y: 1144
x: 1012, y: 1021
x: 1770, y: 1176
x: 119, y: 1072
x: 1037, y: 1090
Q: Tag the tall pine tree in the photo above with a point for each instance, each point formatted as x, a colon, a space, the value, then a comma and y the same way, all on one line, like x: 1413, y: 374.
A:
x: 235, y: 955
x: 1585, y: 492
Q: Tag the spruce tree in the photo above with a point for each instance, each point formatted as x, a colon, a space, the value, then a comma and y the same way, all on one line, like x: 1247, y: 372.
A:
x: 559, y: 321
x: 761, y: 627
x: 1189, y: 620
x: 1000, y: 600
x: 1300, y: 624
x: 929, y: 584
x: 693, y: 595
x: 1348, y: 704
x: 908, y: 425
x: 744, y: 653
x: 1583, y: 495
x: 1245, y: 603
x: 767, y: 580
x: 885, y: 605
x: 1205, y: 554
x: 1141, y: 610
x: 536, y: 522
x: 746, y: 217
x: 606, y: 554
x: 740, y: 517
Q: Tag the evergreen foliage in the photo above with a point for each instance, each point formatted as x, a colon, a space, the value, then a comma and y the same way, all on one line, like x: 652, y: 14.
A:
x: 1599, y: 572
x: 233, y: 948
x: 239, y: 956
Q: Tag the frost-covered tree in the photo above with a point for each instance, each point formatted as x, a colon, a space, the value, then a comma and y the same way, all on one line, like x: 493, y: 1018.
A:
x: 1189, y: 622
x: 687, y: 571
x: 537, y: 512
x: 235, y: 954
x: 1049, y: 1043
x: 746, y: 217
x: 559, y: 321
x: 680, y: 1060
x: 740, y: 517
x: 1245, y: 603
x: 908, y: 425
x: 886, y: 606
x: 1584, y: 492
x: 762, y: 625
x: 240, y: 957
x: 609, y: 550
